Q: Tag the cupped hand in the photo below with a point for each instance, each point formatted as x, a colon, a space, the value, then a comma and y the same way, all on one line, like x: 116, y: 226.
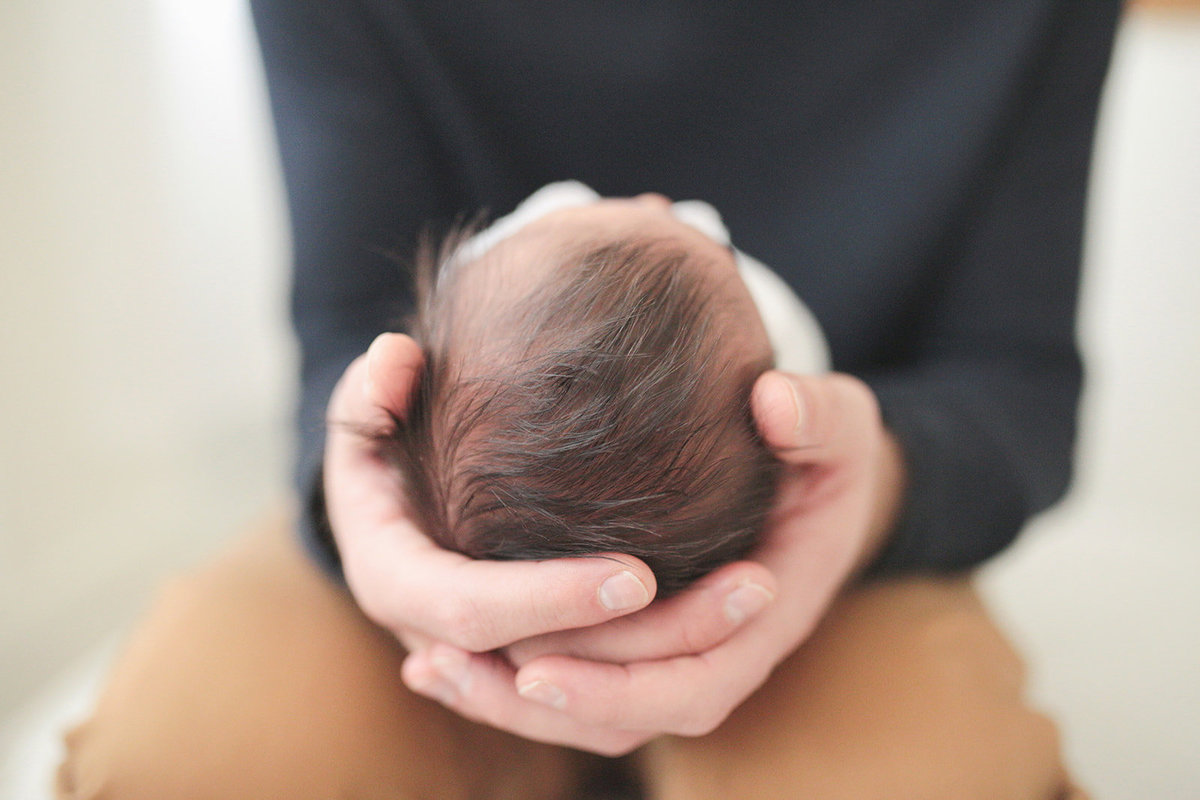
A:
x: 419, y: 591
x: 681, y: 666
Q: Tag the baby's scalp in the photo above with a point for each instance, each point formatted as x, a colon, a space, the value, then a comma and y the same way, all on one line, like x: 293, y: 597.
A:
x: 584, y: 394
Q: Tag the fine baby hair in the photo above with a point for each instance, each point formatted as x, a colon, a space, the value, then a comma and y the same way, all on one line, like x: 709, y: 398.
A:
x: 601, y: 407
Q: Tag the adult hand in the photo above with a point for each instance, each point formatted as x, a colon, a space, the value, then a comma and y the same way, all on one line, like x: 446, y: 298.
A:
x: 419, y: 591
x: 683, y: 665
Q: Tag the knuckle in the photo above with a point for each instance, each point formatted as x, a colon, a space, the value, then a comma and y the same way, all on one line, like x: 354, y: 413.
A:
x: 704, y: 622
x: 460, y: 624
x: 548, y: 608
x: 694, y: 637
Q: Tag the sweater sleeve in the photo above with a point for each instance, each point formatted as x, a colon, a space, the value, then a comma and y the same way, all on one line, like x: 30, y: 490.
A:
x: 982, y: 396
x: 360, y: 175
x: 984, y: 406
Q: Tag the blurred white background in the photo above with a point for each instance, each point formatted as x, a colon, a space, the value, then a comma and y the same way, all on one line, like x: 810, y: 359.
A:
x: 143, y: 343
x: 147, y: 373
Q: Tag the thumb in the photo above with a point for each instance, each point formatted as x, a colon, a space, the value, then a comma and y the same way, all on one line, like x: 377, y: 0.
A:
x: 808, y: 419
x: 394, y: 362
x: 376, y: 387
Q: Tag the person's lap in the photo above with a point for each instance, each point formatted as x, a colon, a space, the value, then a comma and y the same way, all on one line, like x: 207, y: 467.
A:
x: 907, y: 690
x: 256, y: 677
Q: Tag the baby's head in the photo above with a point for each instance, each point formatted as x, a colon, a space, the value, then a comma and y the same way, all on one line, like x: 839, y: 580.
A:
x: 586, y: 389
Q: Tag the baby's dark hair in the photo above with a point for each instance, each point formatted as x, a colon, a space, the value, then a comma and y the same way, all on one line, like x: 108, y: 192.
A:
x: 603, y: 409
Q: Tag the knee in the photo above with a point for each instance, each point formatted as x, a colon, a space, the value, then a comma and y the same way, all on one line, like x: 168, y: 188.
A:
x: 964, y: 650
x: 246, y: 679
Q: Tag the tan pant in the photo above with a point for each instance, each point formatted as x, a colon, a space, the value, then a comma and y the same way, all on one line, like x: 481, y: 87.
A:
x: 254, y: 678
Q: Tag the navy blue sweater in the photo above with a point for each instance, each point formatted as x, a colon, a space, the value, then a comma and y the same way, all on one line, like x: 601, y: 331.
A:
x: 916, y: 170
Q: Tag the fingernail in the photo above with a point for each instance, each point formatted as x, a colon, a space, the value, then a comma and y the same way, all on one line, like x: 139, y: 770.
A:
x: 452, y: 665
x: 623, y: 591
x: 745, y: 601
x: 797, y: 403
x: 545, y: 693
x: 372, y: 354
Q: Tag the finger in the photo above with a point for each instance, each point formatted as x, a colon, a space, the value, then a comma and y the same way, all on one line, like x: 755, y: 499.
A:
x: 403, y: 580
x: 698, y: 619
x: 414, y: 641
x: 380, y: 381
x: 361, y: 491
x: 687, y: 695
x: 481, y: 688
x: 394, y: 363
x: 810, y: 419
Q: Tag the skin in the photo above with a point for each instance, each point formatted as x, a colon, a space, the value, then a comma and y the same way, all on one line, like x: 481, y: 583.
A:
x: 517, y: 265
x: 645, y: 217
x: 572, y: 651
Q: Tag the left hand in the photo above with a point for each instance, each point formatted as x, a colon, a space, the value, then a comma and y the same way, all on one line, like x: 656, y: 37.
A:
x: 682, y: 665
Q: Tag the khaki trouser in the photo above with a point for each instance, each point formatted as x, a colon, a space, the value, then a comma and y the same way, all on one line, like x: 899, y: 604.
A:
x: 255, y: 678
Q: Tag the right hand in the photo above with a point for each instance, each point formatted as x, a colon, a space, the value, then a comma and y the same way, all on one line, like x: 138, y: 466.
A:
x: 612, y: 687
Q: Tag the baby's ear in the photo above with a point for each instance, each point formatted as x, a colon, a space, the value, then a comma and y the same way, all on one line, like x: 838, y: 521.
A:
x: 394, y: 363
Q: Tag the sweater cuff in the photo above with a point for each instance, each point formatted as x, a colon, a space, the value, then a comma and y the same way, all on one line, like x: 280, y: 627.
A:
x: 958, y: 508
